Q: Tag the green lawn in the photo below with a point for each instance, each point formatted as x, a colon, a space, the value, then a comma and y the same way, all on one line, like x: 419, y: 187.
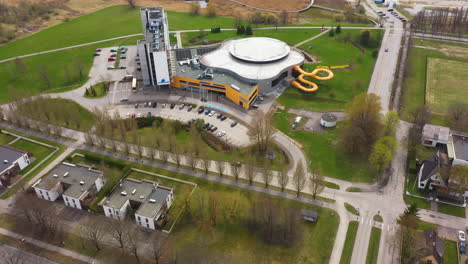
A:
x: 351, y: 209
x: 100, y: 90
x: 349, y: 242
x: 450, y: 255
x: 324, y: 17
x: 56, y: 64
x: 290, y: 36
x: 230, y: 236
x: 324, y: 152
x: 39, y: 152
x: 373, y: 249
x: 451, y: 210
x: 331, y: 185
x: 335, y: 93
x: 5, y: 139
x: 414, y: 86
x: 51, y: 110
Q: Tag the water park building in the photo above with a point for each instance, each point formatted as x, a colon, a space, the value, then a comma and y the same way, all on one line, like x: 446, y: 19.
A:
x: 239, y: 69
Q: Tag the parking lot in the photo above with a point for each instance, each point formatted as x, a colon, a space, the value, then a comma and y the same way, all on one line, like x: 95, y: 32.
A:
x: 236, y: 135
x: 99, y: 68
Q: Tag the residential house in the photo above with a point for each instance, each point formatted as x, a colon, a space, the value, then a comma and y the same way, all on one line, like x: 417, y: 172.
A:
x: 147, y: 199
x: 429, y: 174
x: 433, y: 135
x: 431, y: 247
x: 76, y: 184
x: 12, y: 161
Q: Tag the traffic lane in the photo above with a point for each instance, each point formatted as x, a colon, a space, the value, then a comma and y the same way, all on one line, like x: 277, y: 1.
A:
x: 237, y: 135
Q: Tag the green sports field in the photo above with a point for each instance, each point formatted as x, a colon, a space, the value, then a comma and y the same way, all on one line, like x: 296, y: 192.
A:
x: 443, y: 81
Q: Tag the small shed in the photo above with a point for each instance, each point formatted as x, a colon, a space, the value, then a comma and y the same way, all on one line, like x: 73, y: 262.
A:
x: 328, y: 120
x: 309, y: 215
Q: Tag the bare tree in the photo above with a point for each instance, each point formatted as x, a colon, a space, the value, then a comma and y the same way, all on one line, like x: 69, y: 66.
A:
x: 94, y: 231
x: 262, y: 131
x: 206, y: 162
x: 119, y: 230
x: 159, y: 244
x: 131, y: 3
x: 267, y: 174
x: 133, y: 244
x: 458, y: 116
x: 250, y: 172
x: 316, y: 182
x: 192, y: 160
x: 164, y: 156
x: 220, y: 166
x: 283, y: 177
x: 299, y: 178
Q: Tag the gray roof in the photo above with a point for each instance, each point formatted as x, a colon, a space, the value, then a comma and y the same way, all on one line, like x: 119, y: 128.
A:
x: 329, y: 117
x: 9, y: 154
x: 438, y: 133
x: 460, y: 144
x: 141, y: 192
x: 79, y: 180
x: 430, y: 166
x: 219, y: 77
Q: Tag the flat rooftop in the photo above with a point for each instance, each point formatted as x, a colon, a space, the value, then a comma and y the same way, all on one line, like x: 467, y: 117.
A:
x: 10, y: 155
x: 79, y: 178
x: 188, y: 71
x: 149, y: 194
x: 460, y: 145
x: 433, y: 132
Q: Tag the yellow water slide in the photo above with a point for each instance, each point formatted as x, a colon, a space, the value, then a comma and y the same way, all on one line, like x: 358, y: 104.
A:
x: 313, y: 86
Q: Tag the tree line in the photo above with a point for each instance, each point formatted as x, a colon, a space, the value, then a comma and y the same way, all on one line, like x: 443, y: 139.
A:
x: 447, y: 20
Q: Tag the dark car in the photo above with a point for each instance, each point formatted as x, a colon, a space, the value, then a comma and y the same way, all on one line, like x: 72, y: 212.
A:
x: 223, y: 118
x: 136, y: 105
x: 219, y: 116
x: 97, y: 54
x: 213, y: 129
x: 172, y: 106
x: 98, y: 50
x: 122, y: 67
x: 189, y: 108
x: 390, y: 9
x: 113, y: 55
x: 182, y: 106
x: 255, y: 106
x: 200, y: 110
x: 155, y: 104
x: 462, y: 248
x: 149, y: 114
x: 205, y: 125
x: 233, y: 124
x: 209, y: 127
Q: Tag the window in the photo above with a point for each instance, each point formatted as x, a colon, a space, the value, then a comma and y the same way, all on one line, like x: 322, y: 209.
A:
x: 147, y: 225
x: 40, y: 191
x: 139, y: 219
x: 110, y: 211
x: 66, y: 198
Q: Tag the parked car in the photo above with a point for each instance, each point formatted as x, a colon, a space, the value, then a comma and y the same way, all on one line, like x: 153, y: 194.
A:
x: 122, y: 67
x: 110, y: 67
x: 110, y: 59
x: 145, y: 104
x: 390, y: 9
x: 462, y: 248
x: 205, y: 125
x: 233, y: 124
x: 386, y: 50
x: 220, y: 134
x: 255, y: 106
x: 200, y: 110
x: 136, y: 105
x: 149, y: 114
x: 123, y: 100
x: 172, y: 106
x: 97, y: 54
x: 209, y: 127
x: 123, y: 57
x: 223, y: 118
x: 98, y: 50
x: 212, y: 113
x: 163, y: 105
x: 461, y: 235
x: 207, y: 111
x: 189, y: 109
x: 113, y: 55
x: 139, y: 115
x: 219, y: 115
x: 181, y: 106
x: 155, y: 104
x: 260, y: 99
x: 133, y: 115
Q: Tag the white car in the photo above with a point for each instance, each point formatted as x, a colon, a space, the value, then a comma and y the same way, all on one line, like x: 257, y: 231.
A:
x: 138, y: 115
x: 127, y: 116
x: 461, y: 235
x: 220, y: 134
x: 212, y: 113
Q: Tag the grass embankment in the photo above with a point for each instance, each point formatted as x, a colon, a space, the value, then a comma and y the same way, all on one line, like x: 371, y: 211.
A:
x: 373, y: 249
x: 335, y: 93
x: 39, y: 153
x: 290, y: 36
x: 100, y: 90
x: 242, y: 244
x: 61, y: 68
x: 349, y: 242
x: 324, y: 151
x: 331, y: 185
x: 52, y: 111
x: 416, y: 76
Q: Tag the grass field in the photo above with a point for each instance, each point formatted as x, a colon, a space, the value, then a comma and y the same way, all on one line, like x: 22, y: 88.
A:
x: 351, y: 209
x: 5, y: 139
x: 324, y: 152
x: 30, y: 83
x: 335, y: 93
x: 443, y: 84
x: 230, y: 236
x: 39, y: 152
x: 349, y: 242
x: 414, y: 86
x: 290, y: 36
x: 373, y: 249
x: 451, y: 210
x: 450, y: 255
x: 100, y: 90
x: 331, y: 185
